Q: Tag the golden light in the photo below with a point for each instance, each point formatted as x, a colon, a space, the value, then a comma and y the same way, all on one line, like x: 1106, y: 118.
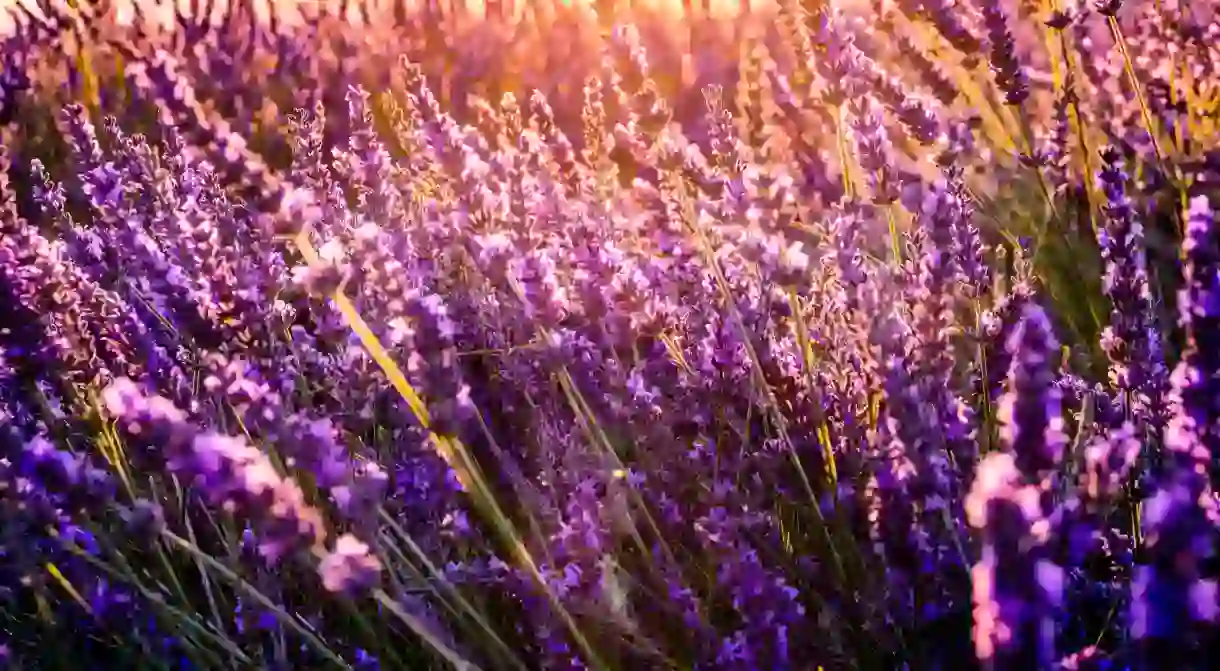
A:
x: 162, y: 10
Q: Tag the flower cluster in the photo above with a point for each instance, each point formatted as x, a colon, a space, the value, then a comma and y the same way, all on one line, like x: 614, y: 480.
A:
x: 387, y: 338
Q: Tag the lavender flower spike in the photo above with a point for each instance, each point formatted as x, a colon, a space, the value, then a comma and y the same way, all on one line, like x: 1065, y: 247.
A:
x: 1196, y: 382
x: 1016, y: 588
x: 1137, y: 362
x: 1031, y: 422
x: 227, y: 472
x: 1010, y: 77
x: 1173, y: 606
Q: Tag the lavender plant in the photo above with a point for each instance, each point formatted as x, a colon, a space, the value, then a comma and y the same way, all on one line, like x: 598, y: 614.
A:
x: 368, y: 338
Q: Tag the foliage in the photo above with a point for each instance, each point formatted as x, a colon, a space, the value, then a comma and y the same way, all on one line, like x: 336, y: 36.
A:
x: 795, y: 339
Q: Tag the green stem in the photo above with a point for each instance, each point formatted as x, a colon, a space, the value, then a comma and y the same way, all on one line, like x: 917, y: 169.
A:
x: 237, y: 581
x: 1128, y: 66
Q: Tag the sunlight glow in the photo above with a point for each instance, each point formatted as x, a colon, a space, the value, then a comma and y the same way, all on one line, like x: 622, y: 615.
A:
x: 161, y: 11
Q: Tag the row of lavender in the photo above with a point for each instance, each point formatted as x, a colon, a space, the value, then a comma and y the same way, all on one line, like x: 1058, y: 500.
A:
x: 551, y: 380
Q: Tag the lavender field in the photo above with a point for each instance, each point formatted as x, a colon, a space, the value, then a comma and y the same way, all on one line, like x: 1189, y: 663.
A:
x: 555, y: 336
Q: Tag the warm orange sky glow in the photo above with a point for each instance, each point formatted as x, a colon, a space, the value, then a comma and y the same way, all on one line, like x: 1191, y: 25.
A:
x: 161, y: 11
x: 718, y: 7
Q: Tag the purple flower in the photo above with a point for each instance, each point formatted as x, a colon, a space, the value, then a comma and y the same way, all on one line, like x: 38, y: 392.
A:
x: 874, y: 152
x: 1195, y: 381
x: 913, y: 492
x: 1017, y: 590
x: 1031, y: 423
x: 946, y: 17
x: 1172, y: 600
x: 225, y: 471
x: 1132, y: 339
x: 349, y: 567
x: 1010, y: 76
x: 66, y: 474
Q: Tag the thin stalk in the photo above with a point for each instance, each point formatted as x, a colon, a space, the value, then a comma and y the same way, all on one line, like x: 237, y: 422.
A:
x: 1086, y: 156
x: 895, y: 238
x: 845, y: 162
x: 450, y: 449
x: 111, y: 446
x: 240, y: 583
x: 155, y: 598
x: 1149, y: 121
x: 806, y: 345
x: 451, y: 592
x: 769, y: 394
x: 421, y: 630
x: 1129, y: 67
